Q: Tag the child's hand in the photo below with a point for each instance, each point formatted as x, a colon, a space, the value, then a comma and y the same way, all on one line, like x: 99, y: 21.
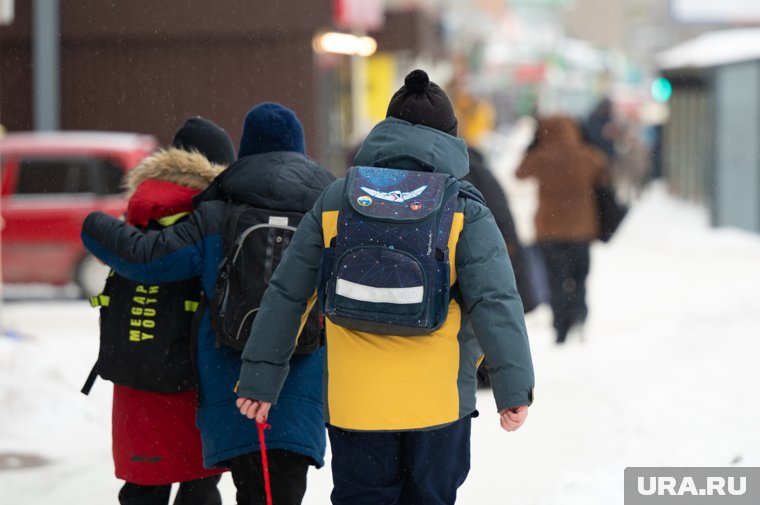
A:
x: 253, y: 409
x: 513, y: 418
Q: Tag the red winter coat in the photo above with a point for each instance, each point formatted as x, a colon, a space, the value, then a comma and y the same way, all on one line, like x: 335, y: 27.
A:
x: 155, y: 440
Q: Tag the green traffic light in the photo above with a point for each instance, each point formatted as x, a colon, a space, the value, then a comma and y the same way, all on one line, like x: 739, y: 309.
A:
x: 661, y: 89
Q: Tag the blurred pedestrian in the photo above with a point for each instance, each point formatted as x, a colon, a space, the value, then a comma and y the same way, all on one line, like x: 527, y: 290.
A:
x: 399, y: 408
x: 155, y: 439
x: 496, y: 199
x: 476, y: 120
x: 601, y: 129
x: 272, y: 172
x: 482, y: 178
x: 567, y: 170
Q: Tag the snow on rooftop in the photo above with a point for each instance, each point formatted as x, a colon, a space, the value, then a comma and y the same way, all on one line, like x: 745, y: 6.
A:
x: 713, y: 49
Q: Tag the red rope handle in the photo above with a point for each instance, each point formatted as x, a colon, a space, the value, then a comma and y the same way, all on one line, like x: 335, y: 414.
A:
x: 264, y: 462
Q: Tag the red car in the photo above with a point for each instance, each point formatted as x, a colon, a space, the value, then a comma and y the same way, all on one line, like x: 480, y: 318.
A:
x: 50, y: 182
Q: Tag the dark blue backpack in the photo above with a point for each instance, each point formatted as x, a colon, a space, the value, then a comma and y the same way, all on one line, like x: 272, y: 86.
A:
x: 388, y: 270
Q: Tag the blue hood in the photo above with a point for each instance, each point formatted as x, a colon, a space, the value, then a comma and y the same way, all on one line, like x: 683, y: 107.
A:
x: 397, y: 143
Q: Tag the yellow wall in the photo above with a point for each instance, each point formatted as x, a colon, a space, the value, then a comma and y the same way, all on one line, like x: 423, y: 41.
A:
x: 381, y: 76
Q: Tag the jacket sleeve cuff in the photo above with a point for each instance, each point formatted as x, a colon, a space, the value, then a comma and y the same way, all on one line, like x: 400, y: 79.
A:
x: 524, y: 397
x: 262, y: 381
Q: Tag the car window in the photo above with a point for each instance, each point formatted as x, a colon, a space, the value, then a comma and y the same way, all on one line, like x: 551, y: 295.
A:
x: 111, y: 175
x: 50, y: 176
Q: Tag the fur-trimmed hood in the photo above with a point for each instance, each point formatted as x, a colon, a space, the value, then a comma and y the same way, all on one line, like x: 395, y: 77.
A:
x: 187, y: 168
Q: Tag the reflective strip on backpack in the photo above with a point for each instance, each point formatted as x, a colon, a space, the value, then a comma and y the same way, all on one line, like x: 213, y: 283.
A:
x: 191, y: 306
x: 361, y: 292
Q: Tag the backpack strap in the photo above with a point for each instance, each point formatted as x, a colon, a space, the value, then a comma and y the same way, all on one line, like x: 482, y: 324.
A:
x: 100, y: 300
x: 87, y: 387
x: 469, y: 191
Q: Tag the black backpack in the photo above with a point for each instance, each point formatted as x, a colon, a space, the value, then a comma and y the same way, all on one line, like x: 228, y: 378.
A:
x: 254, y: 241
x: 609, y: 210
x: 146, y: 334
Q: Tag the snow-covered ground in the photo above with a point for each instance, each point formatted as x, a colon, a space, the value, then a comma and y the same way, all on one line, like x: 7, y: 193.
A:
x: 667, y: 376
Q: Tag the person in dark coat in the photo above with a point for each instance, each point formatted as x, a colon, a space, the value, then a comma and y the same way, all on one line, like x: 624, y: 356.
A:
x: 496, y: 199
x: 601, y: 130
x: 567, y: 170
x: 482, y: 178
x: 271, y: 172
x: 155, y: 440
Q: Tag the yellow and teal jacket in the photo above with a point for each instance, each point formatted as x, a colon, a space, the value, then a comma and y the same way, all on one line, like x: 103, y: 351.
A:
x: 394, y: 383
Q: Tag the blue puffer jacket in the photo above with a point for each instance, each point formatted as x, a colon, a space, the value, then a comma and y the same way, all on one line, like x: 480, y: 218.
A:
x: 285, y: 181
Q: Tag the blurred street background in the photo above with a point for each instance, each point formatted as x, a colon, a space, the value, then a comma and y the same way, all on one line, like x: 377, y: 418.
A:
x: 682, y: 76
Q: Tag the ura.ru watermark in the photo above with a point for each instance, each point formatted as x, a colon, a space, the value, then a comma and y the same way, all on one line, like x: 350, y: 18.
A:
x: 692, y: 485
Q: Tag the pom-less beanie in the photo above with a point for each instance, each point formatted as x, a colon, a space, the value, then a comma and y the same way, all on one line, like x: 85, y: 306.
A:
x: 271, y: 127
x: 207, y: 138
x: 420, y: 101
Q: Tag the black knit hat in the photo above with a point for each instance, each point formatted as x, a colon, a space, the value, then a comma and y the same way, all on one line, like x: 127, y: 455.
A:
x: 420, y: 101
x: 207, y: 138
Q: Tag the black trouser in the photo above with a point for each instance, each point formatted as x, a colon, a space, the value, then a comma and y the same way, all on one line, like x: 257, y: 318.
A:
x: 567, y: 267
x: 399, y: 467
x: 287, y: 477
x: 193, y: 492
